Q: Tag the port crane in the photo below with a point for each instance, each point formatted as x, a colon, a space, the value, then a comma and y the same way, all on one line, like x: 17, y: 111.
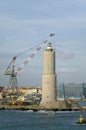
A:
x: 12, y: 71
x: 13, y: 84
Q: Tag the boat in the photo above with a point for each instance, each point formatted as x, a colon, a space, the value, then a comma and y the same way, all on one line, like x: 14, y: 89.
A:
x: 81, y: 120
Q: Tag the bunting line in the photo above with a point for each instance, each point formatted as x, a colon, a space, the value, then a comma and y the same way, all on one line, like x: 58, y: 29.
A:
x: 35, y: 52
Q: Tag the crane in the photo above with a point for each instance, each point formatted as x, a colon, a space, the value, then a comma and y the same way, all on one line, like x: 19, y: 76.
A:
x: 13, y: 84
x: 12, y: 71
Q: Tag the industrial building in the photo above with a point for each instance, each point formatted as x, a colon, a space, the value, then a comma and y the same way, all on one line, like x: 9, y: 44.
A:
x: 72, y: 91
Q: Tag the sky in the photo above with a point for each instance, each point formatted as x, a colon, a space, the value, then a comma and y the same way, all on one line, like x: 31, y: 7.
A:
x: 27, y: 23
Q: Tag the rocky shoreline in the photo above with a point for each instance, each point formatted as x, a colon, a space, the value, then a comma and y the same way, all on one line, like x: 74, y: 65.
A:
x: 55, y: 106
x: 37, y: 108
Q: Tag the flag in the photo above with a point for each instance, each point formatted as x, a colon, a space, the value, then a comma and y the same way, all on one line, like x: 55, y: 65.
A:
x: 52, y: 34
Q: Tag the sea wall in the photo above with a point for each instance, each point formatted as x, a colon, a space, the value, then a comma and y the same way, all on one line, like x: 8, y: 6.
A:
x: 56, y: 106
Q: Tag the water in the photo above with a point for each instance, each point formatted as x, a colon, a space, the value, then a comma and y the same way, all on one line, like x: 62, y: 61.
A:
x: 25, y: 120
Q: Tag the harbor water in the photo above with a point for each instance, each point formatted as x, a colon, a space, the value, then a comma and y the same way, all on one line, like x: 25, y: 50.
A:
x: 28, y: 120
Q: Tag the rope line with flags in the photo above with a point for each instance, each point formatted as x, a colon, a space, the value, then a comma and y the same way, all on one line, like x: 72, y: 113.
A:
x: 35, y: 52
x: 37, y: 49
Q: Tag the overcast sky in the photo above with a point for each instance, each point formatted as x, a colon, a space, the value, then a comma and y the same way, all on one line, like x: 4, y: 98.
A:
x: 26, y: 23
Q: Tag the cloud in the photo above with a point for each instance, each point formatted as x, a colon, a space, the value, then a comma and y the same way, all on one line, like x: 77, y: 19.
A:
x: 64, y: 20
x: 65, y: 55
x: 68, y: 70
x: 69, y: 22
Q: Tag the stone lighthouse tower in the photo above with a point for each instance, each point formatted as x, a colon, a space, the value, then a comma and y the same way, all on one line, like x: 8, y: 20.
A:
x: 49, y: 76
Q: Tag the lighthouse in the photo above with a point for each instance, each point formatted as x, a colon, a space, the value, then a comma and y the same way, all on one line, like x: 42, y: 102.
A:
x: 49, y: 76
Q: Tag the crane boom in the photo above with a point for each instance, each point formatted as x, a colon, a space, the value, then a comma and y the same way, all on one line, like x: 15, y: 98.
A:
x: 37, y: 49
x: 12, y: 72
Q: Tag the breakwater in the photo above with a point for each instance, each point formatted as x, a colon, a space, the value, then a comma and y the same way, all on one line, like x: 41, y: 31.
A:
x: 55, y: 106
x: 37, y: 108
x: 34, y: 108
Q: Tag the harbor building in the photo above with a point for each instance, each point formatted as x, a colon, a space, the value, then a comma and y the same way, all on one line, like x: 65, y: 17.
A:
x: 49, y: 94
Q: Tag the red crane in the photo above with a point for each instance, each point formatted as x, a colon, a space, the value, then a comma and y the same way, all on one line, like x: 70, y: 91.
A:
x: 10, y: 70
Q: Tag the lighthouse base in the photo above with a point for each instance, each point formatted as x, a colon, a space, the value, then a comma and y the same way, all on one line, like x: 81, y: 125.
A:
x: 56, y: 105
